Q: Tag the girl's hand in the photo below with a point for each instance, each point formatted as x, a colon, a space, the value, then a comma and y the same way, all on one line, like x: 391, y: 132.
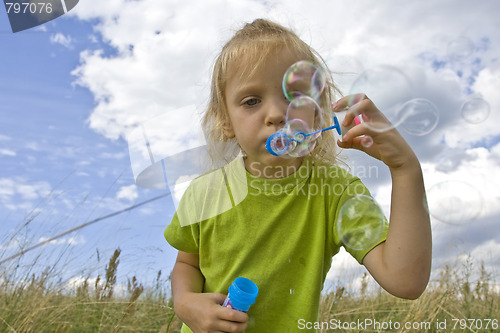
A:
x: 203, y: 313
x: 388, y: 146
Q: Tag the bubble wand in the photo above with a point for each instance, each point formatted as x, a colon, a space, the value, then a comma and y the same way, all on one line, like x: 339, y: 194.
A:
x: 281, y: 143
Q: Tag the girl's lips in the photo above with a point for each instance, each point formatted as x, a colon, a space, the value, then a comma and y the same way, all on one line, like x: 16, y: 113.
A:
x: 279, y: 144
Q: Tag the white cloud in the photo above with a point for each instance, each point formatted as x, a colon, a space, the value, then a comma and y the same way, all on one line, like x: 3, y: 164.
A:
x: 344, y: 264
x: 348, y: 273
x: 63, y: 241
x: 13, y: 243
x: 127, y: 192
x: 32, y: 145
x: 119, y: 290
x: 18, y: 193
x: 78, y: 281
x: 477, y: 167
x: 487, y: 252
x: 62, y: 39
x: 113, y: 156
x: 181, y: 185
x: 7, y: 152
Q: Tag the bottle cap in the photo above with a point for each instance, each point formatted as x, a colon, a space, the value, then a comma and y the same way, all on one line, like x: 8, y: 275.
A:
x: 243, y: 293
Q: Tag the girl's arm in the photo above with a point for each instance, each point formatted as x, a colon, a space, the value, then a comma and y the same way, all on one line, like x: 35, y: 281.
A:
x: 401, y: 264
x: 202, y: 312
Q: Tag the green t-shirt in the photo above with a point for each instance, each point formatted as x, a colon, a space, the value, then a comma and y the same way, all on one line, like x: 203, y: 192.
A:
x: 282, y: 235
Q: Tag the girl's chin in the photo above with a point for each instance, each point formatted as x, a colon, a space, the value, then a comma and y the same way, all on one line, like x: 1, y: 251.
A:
x: 273, y: 161
x: 283, y: 161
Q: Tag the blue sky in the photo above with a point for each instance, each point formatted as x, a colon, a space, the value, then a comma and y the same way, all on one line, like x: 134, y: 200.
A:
x: 74, y: 88
x: 56, y: 169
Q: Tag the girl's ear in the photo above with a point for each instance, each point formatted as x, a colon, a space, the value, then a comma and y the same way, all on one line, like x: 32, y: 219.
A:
x: 227, y: 128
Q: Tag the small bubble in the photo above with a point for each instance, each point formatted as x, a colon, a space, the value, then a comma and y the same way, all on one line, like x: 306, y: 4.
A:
x: 460, y: 48
x: 419, y: 116
x: 346, y: 68
x: 475, y: 110
x: 366, y: 141
x: 292, y: 291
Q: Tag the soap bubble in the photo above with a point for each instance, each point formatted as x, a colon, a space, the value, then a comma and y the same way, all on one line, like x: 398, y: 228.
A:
x: 361, y: 222
x: 303, y: 78
x: 306, y: 110
x: 346, y: 68
x: 280, y: 143
x: 302, y: 128
x: 419, y: 116
x: 367, y: 141
x: 454, y: 202
x: 389, y: 88
x: 303, y: 124
x: 460, y: 48
x: 475, y: 110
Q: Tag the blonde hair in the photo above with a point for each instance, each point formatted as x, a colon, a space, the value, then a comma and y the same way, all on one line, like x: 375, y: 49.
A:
x: 256, y: 41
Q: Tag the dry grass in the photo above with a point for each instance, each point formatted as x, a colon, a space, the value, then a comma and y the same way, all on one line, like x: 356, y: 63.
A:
x: 39, y: 304
x: 452, y: 303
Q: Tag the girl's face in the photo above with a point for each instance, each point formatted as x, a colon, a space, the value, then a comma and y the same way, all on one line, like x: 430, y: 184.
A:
x: 257, y: 108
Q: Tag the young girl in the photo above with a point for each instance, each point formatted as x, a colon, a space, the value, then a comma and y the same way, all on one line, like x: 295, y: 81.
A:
x: 282, y: 234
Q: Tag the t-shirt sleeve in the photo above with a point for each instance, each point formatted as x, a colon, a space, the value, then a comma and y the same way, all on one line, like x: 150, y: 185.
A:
x: 183, y: 238
x: 355, y: 187
x: 206, y: 197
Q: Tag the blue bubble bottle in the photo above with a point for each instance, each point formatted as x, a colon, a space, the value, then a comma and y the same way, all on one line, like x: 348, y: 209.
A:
x: 242, y: 294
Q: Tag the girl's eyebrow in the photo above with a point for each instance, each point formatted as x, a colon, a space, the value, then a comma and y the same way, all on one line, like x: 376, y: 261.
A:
x: 246, y: 89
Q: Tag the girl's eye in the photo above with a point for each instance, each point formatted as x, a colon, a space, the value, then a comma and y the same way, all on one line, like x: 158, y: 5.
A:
x: 252, y: 101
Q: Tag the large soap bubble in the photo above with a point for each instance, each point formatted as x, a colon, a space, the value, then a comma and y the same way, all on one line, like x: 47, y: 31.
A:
x: 360, y: 223
x: 454, y: 202
x: 389, y: 88
x: 304, y: 78
x: 419, y: 116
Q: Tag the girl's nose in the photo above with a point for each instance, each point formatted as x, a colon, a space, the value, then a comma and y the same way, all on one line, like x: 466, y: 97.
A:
x: 276, y: 114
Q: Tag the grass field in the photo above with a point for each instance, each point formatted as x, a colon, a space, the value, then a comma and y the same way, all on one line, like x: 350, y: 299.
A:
x: 454, y: 302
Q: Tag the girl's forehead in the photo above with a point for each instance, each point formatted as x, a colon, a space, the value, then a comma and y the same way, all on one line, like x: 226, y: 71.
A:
x: 247, y: 65
x: 245, y: 77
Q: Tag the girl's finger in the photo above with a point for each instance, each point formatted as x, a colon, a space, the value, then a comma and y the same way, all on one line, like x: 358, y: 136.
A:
x: 356, y: 131
x: 217, y: 297
x: 227, y: 326
x: 232, y: 315
x: 353, y: 110
x: 348, y: 101
x: 352, y: 144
